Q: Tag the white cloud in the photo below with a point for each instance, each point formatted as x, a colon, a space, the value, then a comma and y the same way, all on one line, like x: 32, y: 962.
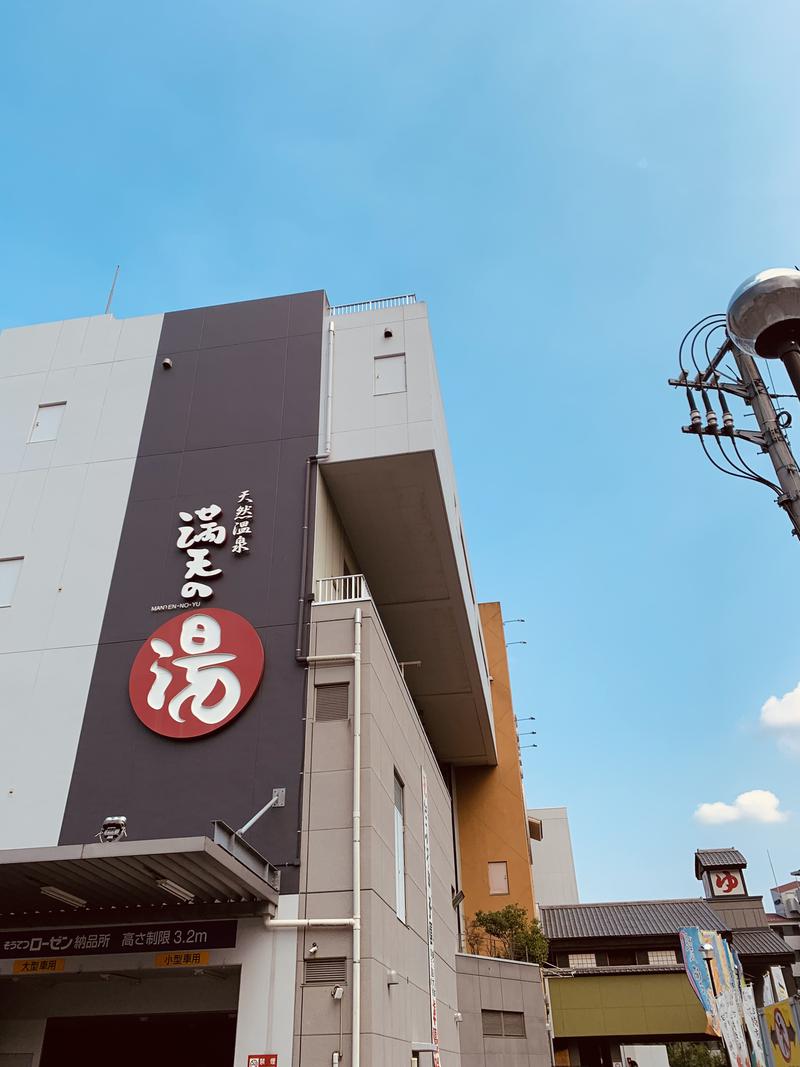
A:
x: 782, y: 713
x: 756, y: 805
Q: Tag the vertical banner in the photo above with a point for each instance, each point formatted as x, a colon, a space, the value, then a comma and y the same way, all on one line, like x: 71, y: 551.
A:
x: 779, y: 984
x: 751, y: 1022
x: 780, y: 1031
x: 730, y: 1018
x: 699, y: 975
x: 426, y: 839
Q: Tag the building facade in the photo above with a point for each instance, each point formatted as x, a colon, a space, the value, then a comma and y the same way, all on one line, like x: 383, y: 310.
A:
x: 553, y: 861
x: 619, y: 978
x: 785, y: 920
x: 243, y: 668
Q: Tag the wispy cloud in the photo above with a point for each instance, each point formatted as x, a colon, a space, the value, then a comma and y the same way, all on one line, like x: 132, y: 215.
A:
x: 756, y: 805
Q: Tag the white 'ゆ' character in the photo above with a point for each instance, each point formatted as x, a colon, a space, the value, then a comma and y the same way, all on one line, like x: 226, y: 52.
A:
x: 201, y: 636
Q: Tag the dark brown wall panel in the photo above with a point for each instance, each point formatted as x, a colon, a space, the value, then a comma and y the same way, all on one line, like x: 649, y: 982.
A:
x: 239, y: 409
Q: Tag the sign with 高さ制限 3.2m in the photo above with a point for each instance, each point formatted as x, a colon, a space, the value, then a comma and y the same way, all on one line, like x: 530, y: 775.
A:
x: 112, y: 940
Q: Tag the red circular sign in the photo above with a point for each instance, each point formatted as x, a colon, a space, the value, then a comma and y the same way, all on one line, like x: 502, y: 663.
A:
x: 196, y: 673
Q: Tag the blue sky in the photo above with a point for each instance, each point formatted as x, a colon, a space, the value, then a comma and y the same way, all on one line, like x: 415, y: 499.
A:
x: 570, y: 186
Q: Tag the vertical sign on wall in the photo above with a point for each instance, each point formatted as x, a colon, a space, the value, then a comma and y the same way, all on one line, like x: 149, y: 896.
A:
x: 426, y: 838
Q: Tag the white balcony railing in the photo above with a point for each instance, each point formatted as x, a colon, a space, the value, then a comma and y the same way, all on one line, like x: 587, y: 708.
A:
x: 374, y: 305
x: 340, y: 590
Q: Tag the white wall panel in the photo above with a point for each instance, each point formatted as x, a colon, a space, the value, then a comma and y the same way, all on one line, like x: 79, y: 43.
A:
x: 40, y: 739
x: 120, y: 423
x: 19, y: 398
x: 85, y: 396
x: 78, y: 610
x: 62, y: 504
x: 28, y: 349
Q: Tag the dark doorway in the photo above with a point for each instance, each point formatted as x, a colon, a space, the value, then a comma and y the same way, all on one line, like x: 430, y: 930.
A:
x: 202, y: 1040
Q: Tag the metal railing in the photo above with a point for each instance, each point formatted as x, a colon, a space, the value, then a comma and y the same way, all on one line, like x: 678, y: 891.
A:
x: 340, y: 590
x: 374, y: 305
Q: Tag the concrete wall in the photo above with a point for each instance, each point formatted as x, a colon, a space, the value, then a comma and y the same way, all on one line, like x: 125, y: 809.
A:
x: 365, y: 424
x: 496, y: 985
x: 490, y: 802
x: 553, y: 862
x: 393, y: 741
x: 62, y: 504
x: 333, y: 554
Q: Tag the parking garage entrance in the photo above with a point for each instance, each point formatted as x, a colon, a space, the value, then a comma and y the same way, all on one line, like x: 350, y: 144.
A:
x: 204, y: 1039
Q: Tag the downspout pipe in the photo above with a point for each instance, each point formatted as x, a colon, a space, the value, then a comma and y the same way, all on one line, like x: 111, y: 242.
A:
x: 356, y: 1053
x: 311, y: 463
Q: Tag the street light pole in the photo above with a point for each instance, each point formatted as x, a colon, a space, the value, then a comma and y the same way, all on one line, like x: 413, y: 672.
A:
x: 763, y: 320
x: 775, y: 442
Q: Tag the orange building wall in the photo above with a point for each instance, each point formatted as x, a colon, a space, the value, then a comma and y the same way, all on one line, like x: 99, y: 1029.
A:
x: 490, y: 802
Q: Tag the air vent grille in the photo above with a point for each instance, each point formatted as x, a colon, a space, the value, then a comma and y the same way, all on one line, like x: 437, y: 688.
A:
x: 325, y: 971
x: 331, y: 702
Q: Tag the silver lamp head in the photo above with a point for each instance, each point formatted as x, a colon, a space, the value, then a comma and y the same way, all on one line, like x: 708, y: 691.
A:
x: 764, y: 313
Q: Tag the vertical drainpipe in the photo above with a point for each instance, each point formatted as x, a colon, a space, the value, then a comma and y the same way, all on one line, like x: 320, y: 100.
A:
x: 311, y: 462
x: 329, y: 397
x: 356, y: 1028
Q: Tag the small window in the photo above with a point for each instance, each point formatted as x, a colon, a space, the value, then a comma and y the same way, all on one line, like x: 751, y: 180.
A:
x: 498, y: 879
x: 399, y: 851
x: 503, y: 1023
x: 582, y: 959
x: 9, y: 573
x: 390, y: 374
x: 47, y: 421
x: 662, y: 957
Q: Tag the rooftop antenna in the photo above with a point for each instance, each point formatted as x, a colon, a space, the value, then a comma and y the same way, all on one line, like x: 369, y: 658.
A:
x: 772, y: 868
x: 763, y: 320
x: 111, y: 291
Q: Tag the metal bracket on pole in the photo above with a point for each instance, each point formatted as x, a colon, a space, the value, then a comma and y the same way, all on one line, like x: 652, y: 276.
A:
x: 278, y: 801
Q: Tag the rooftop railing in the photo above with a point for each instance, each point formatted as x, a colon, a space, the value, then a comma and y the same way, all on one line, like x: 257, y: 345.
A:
x: 374, y: 305
x: 342, y: 589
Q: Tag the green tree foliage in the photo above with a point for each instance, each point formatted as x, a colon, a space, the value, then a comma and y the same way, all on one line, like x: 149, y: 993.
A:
x: 521, y: 938
x: 694, y: 1054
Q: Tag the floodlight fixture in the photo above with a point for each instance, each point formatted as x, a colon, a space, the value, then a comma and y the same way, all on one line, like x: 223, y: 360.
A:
x: 175, y: 890
x: 63, y: 896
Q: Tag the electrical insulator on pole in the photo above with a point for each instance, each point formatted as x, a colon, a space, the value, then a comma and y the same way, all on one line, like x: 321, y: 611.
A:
x: 762, y: 322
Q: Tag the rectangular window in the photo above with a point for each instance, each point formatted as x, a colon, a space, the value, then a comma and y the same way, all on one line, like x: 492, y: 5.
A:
x: 498, y: 879
x: 503, y: 1023
x: 9, y: 573
x: 399, y: 851
x: 582, y: 959
x: 662, y: 957
x: 390, y: 375
x: 47, y: 421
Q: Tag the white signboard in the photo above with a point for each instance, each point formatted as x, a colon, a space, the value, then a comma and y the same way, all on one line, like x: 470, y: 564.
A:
x: 426, y: 838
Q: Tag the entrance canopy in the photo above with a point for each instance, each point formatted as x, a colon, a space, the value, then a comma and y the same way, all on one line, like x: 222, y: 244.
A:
x: 184, y: 877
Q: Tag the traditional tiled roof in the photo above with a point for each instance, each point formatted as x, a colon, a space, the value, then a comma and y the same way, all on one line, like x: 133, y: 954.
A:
x: 627, y: 918
x: 786, y: 888
x: 644, y: 968
x: 761, y: 942
x: 709, y: 859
